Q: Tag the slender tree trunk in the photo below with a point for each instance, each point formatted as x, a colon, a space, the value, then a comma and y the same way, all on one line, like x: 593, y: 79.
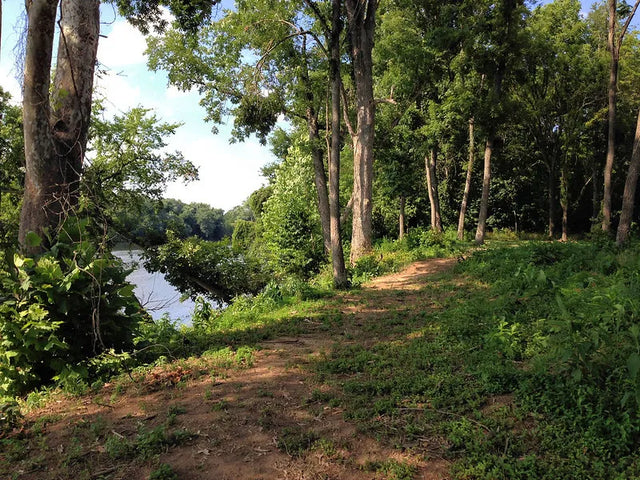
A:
x: 401, y: 218
x: 320, y: 179
x: 611, y: 137
x: 486, y: 182
x: 55, y: 139
x: 317, y: 154
x: 467, y: 183
x: 432, y: 187
x: 361, y: 16
x: 551, y: 198
x: 628, y: 197
x: 337, y: 254
x: 564, y: 201
x: 595, y: 195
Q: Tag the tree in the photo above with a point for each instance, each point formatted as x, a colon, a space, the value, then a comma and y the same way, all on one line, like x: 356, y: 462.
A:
x: 283, y: 74
x: 56, y: 119
x: 614, y: 42
x: 337, y: 254
x: 128, y: 162
x: 361, y: 16
x: 628, y: 197
x: 11, y: 172
x: 499, y: 31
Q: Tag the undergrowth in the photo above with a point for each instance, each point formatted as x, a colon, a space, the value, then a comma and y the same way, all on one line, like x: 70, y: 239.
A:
x: 528, y: 371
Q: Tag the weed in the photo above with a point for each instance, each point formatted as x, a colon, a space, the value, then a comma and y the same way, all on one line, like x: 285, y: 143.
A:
x: 146, y: 444
x: 118, y: 447
x: 294, y: 441
x: 163, y: 472
x: 325, y: 447
x: 392, y: 469
x: 220, y: 406
x: 265, y: 393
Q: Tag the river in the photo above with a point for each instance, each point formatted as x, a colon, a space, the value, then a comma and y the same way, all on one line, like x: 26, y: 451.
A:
x: 156, y: 295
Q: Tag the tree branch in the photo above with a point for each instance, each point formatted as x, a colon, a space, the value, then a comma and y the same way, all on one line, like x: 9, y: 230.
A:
x: 319, y: 16
x: 626, y: 25
x: 345, y: 112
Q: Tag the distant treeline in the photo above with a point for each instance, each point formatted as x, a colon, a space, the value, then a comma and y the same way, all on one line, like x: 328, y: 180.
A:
x: 148, y: 223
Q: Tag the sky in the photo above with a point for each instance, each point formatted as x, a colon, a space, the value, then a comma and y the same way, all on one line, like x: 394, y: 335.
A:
x: 229, y: 173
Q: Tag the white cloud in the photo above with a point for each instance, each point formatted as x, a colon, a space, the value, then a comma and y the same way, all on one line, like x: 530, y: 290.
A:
x: 9, y: 82
x: 124, y: 45
x: 228, y: 173
x: 120, y: 92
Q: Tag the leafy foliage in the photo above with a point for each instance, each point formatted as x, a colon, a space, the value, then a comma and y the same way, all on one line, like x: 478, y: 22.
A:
x: 60, y: 308
x: 213, y: 269
x: 290, y: 221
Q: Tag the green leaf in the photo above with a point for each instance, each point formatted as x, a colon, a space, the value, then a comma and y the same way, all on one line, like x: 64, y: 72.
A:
x: 32, y: 239
x: 633, y: 364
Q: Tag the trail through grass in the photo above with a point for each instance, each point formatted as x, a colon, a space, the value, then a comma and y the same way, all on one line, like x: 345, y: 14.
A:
x: 515, y: 363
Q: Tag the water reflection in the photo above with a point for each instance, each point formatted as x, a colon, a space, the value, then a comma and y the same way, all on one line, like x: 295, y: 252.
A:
x: 154, y: 292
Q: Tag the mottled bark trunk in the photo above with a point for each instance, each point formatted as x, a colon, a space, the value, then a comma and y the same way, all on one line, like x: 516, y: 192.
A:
x: 613, y: 87
x: 467, y: 183
x: 401, y: 218
x: 317, y: 153
x: 484, y: 201
x: 337, y: 254
x: 432, y: 188
x: 629, y: 195
x: 361, y: 16
x: 56, y: 138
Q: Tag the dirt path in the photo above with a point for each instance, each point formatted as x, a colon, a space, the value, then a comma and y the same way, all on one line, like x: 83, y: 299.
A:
x: 268, y: 421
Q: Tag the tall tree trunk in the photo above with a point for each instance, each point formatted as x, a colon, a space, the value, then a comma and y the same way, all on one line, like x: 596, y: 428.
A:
x: 628, y: 197
x: 337, y: 254
x: 595, y: 195
x: 564, y: 200
x: 467, y: 183
x: 320, y: 179
x: 401, y: 218
x: 551, y: 198
x: 55, y: 139
x: 361, y: 16
x: 614, y: 44
x: 317, y: 153
x: 611, y: 137
x: 486, y: 182
x: 432, y: 187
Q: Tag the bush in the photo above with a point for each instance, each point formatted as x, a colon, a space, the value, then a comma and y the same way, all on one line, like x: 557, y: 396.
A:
x: 60, y: 308
x: 198, y: 267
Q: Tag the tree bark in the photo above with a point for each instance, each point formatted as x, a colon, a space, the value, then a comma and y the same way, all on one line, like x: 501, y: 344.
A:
x: 401, y: 218
x: 595, y: 195
x: 317, y: 154
x: 564, y: 201
x: 432, y: 187
x: 337, y: 254
x: 551, y: 196
x: 486, y: 181
x: 361, y: 16
x: 628, y: 197
x: 467, y: 183
x: 55, y: 137
x: 614, y: 49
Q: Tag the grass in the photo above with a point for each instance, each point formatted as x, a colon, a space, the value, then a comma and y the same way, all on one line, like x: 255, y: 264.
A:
x: 528, y: 369
x: 522, y: 363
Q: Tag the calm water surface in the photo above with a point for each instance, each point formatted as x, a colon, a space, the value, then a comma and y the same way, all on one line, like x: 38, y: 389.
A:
x: 154, y: 292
